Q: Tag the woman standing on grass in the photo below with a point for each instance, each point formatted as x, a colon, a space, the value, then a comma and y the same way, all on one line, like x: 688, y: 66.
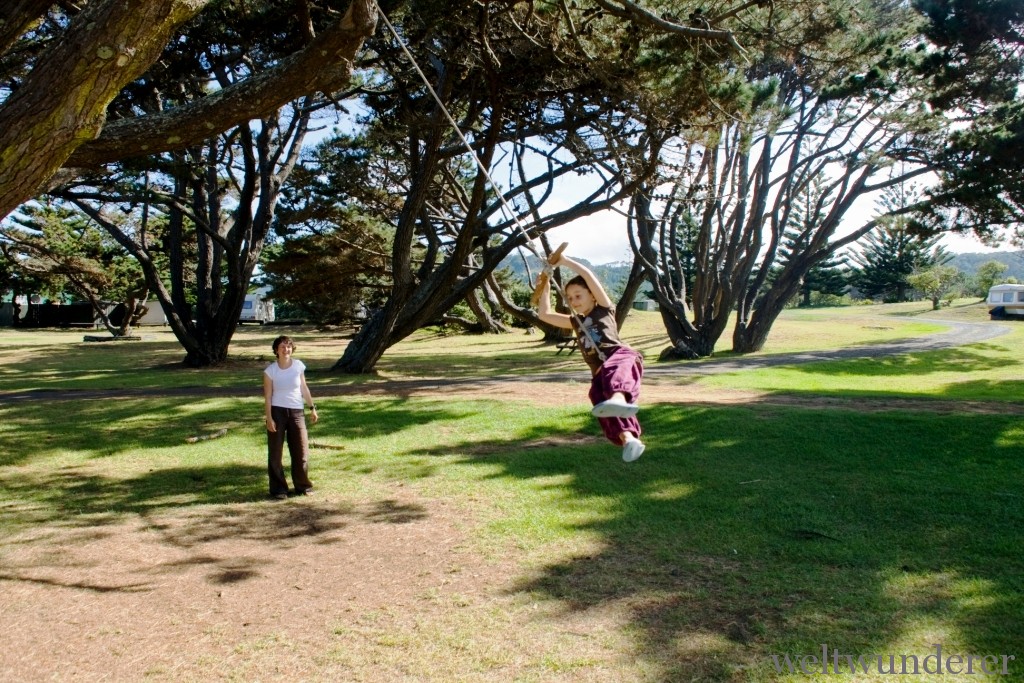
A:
x: 284, y: 395
x: 617, y: 369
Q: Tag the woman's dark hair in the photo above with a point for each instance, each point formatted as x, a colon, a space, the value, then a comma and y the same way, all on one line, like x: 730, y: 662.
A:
x: 579, y: 281
x: 283, y: 339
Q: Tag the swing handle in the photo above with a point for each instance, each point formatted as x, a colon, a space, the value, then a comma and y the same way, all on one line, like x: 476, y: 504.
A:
x: 542, y: 279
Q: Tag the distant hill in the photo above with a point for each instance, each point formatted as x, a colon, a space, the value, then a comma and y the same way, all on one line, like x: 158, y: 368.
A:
x: 969, y: 263
x: 612, y: 275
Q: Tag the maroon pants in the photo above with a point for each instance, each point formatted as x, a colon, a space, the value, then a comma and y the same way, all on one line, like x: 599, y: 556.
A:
x: 622, y: 371
x: 291, y: 425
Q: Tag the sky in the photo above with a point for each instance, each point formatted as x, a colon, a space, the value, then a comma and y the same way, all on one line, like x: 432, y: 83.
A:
x: 601, y: 238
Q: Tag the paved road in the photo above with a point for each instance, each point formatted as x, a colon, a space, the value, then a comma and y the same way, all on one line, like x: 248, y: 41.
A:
x: 958, y: 334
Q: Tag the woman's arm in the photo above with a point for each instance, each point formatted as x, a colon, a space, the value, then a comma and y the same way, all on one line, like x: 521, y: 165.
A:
x: 593, y: 284
x: 268, y: 392
x: 544, y: 311
x: 309, y: 398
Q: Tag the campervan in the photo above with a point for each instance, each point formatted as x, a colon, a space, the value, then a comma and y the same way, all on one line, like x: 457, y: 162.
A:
x: 257, y: 309
x: 1006, y: 301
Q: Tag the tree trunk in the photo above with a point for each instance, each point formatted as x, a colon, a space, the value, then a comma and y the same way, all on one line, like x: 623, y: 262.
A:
x: 633, y: 282
x: 369, y: 344
x: 484, y: 319
x: 324, y: 65
x: 208, y: 350
x: 526, y: 315
x: 751, y: 335
x: 63, y: 101
x: 689, y: 342
x: 493, y: 304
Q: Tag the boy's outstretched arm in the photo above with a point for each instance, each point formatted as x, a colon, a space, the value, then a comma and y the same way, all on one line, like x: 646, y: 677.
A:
x: 544, y: 311
x: 593, y: 284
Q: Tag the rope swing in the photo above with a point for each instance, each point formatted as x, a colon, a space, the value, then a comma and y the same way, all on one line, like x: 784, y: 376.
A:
x: 546, y: 275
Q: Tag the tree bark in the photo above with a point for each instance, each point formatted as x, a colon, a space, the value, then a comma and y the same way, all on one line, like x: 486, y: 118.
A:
x: 57, y: 118
x: 17, y: 16
x: 525, y: 315
x: 63, y: 102
x: 325, y: 65
x: 751, y: 336
x: 635, y: 279
x: 367, y: 347
x: 484, y: 319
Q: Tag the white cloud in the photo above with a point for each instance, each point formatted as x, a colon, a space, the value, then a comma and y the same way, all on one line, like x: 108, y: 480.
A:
x: 599, y: 238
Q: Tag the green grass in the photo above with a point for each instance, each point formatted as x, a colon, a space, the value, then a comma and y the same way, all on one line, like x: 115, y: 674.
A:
x: 986, y: 371
x: 51, y: 359
x: 744, y: 532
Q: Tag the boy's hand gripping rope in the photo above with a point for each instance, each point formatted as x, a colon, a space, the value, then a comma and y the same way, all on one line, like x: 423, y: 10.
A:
x: 545, y: 275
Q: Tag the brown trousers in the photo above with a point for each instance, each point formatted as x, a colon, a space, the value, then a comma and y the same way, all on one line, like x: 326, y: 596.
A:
x: 291, y: 425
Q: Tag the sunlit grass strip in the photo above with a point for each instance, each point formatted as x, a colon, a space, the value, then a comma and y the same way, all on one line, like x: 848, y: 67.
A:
x: 992, y: 371
x: 59, y: 360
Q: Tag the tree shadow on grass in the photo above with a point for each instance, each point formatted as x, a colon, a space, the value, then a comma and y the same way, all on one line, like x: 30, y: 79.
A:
x: 1006, y: 390
x: 59, y: 364
x: 190, y: 510
x: 744, y: 533
x: 188, y: 507
x: 113, y: 427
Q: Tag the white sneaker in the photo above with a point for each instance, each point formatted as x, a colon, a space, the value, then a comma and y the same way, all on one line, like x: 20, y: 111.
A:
x: 633, y: 449
x: 615, y: 408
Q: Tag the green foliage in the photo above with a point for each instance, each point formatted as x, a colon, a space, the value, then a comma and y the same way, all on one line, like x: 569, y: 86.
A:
x: 889, y: 258
x: 937, y: 283
x: 891, y: 255
x: 975, y: 63
x: 64, y: 251
x: 828, y: 279
x: 333, y: 275
x: 989, y: 273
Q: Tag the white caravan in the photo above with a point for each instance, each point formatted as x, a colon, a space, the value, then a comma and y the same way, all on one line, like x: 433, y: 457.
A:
x: 257, y: 309
x: 1006, y: 301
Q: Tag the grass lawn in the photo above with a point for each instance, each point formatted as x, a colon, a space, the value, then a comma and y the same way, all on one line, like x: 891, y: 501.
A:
x: 59, y: 359
x: 470, y: 539
x: 987, y: 371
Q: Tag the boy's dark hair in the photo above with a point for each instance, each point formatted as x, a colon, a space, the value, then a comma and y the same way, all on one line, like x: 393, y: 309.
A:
x: 281, y: 340
x: 579, y: 281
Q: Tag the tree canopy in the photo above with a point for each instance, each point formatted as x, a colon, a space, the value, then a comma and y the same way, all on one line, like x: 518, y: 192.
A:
x: 973, y: 57
x: 717, y: 126
x: 84, y: 84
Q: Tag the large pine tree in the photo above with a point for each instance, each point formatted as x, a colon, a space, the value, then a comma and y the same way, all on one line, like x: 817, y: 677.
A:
x: 828, y: 276
x: 894, y: 253
x: 891, y: 256
x: 975, y: 64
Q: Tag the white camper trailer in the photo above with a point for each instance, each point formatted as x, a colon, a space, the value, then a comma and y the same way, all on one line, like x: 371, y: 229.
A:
x: 1006, y: 301
x: 257, y: 309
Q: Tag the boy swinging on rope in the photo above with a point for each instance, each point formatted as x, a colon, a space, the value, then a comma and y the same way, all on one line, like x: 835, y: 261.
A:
x: 617, y: 369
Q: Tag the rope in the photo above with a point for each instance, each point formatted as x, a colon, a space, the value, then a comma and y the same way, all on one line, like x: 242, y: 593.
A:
x: 497, y: 190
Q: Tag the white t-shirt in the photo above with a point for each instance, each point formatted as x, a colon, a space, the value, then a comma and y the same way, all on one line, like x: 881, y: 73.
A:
x: 287, y: 384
